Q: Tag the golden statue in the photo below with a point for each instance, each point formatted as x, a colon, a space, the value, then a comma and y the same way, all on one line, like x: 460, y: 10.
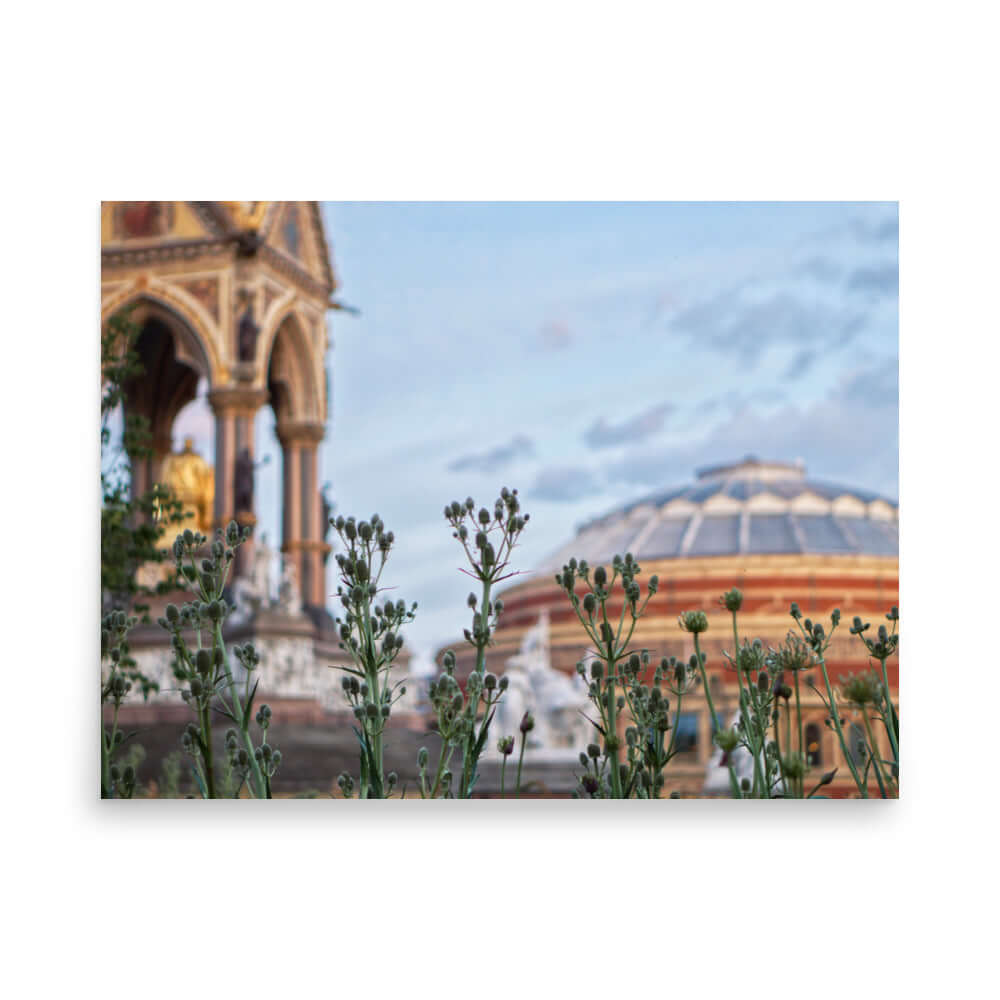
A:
x: 192, y: 481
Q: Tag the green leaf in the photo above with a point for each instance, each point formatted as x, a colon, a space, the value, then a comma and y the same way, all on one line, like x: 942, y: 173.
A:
x: 248, y: 708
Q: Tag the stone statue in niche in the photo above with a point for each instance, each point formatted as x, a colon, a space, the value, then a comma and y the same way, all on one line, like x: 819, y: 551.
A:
x: 717, y: 771
x: 252, y: 593
x: 246, y: 337
x: 552, y: 697
x: 243, y: 482
x: 289, y: 596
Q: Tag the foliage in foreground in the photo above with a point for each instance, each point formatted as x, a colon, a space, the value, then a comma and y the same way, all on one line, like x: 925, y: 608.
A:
x: 634, y: 738
x: 619, y: 692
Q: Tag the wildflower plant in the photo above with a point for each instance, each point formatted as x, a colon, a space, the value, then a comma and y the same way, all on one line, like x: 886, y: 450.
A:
x: 202, y: 668
x: 696, y: 623
x: 614, y: 681
x: 864, y: 694
x: 117, y: 781
x: 455, y: 714
x: 370, y: 634
x: 464, y: 718
x: 880, y: 649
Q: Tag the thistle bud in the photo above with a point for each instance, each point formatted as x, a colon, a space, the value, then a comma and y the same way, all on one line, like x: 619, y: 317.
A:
x: 527, y: 723
x: 732, y: 600
x: 693, y: 621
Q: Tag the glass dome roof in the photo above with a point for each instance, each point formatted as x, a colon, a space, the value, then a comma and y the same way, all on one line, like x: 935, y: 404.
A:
x: 750, y: 507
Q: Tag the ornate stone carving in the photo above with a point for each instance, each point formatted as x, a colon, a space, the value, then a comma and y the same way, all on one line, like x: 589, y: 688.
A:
x: 206, y: 291
x: 246, y: 337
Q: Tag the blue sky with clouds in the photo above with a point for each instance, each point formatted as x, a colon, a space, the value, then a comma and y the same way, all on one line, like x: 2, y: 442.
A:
x: 588, y: 354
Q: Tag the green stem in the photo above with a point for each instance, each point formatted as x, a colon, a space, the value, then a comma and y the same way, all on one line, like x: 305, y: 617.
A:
x: 468, y: 761
x: 442, y: 766
x: 777, y: 743
x: 876, y: 753
x: 798, y: 713
x: 677, y: 719
x: 893, y: 721
x: 734, y: 783
x: 206, y: 736
x: 503, y: 770
x: 835, y: 712
x: 257, y: 787
x: 520, y: 761
x: 616, y: 778
x: 105, y: 764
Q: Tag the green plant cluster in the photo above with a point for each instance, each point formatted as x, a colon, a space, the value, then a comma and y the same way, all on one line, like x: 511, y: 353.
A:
x: 628, y: 706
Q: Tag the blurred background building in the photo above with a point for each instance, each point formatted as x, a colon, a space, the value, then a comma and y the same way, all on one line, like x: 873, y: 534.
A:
x: 764, y: 527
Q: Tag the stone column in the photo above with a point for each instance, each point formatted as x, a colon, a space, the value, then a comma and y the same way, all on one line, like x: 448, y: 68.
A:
x: 302, y: 542
x: 234, y: 409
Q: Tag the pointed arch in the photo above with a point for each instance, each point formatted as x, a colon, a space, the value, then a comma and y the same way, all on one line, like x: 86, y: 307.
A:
x: 193, y: 342
x: 291, y: 371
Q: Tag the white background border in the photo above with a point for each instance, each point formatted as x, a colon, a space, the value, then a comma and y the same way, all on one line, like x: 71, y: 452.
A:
x: 514, y: 101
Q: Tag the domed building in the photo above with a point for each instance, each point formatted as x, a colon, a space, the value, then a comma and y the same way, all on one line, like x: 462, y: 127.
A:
x: 764, y: 527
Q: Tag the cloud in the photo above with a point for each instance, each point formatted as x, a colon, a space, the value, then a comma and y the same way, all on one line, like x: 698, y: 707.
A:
x: 726, y: 323
x: 821, y: 269
x: 495, y: 458
x: 563, y: 483
x: 877, y: 282
x: 888, y: 230
x: 874, y: 384
x: 801, y: 363
x: 604, y: 435
x: 851, y: 435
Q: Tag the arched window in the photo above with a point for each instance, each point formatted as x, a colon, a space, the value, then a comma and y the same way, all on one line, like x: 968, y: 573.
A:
x: 814, y: 745
x: 686, y: 738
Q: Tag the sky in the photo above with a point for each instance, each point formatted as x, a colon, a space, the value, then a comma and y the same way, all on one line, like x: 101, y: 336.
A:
x: 588, y: 354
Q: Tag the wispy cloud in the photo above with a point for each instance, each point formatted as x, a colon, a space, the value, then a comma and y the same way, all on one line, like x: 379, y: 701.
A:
x: 833, y: 435
x: 821, y: 269
x: 883, y: 231
x: 563, y: 483
x: 876, y: 282
x: 801, y: 363
x: 730, y: 323
x: 495, y: 458
x: 601, y: 434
